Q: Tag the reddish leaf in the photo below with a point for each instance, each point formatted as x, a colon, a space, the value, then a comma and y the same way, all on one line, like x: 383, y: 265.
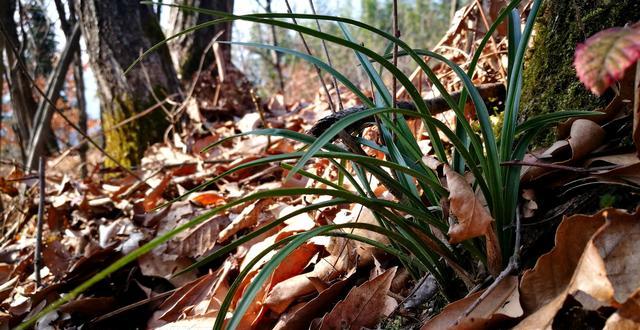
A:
x: 151, y: 201
x: 603, y: 58
x: 208, y: 199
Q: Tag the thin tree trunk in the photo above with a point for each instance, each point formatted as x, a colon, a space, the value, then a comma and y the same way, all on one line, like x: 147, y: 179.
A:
x: 78, y: 77
x: 187, y: 49
x: 42, y: 122
x: 277, y: 56
x: 116, y: 33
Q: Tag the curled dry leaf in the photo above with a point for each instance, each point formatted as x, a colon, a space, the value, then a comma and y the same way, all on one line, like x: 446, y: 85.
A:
x: 473, y: 218
x: 595, y: 256
x: 364, y: 306
x: 585, y: 136
x: 501, y: 304
x: 604, y: 57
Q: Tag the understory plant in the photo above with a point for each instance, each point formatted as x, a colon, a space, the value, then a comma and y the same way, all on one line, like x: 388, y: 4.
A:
x: 414, y: 217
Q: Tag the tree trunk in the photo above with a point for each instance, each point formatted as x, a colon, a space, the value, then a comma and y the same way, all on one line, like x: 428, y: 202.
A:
x: 22, y: 100
x: 78, y: 77
x: 116, y: 32
x: 187, y: 49
x: 550, y: 82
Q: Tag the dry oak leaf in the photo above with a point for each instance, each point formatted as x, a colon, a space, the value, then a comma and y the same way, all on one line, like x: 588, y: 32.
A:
x: 607, y: 270
x: 473, y: 218
x: 501, y: 304
x: 364, y: 306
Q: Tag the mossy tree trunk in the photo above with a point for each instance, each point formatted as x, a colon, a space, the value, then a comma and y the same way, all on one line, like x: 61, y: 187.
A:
x: 116, y: 32
x: 187, y: 49
x: 550, y: 82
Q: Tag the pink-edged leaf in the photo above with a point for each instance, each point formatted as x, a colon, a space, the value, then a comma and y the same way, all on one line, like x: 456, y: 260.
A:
x: 602, y: 59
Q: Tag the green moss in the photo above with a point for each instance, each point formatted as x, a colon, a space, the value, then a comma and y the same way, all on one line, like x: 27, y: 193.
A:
x: 128, y: 142
x: 550, y: 83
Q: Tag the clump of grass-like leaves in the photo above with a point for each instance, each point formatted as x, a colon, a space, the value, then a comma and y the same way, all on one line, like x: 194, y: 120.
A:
x: 408, y: 221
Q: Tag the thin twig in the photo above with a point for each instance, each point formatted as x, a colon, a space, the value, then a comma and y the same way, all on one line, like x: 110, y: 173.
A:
x: 256, y: 103
x: 326, y: 53
x: 318, y: 71
x: 277, y: 56
x: 37, y: 260
x: 558, y: 166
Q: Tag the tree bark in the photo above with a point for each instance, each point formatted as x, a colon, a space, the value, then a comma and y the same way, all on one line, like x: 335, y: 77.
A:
x: 116, y: 32
x: 187, y: 49
x: 550, y: 82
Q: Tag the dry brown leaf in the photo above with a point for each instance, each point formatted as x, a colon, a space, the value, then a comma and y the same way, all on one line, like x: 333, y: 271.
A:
x: 607, y: 270
x: 362, y: 214
x: 584, y: 137
x: 473, y: 218
x: 621, y: 175
x: 618, y: 243
x: 364, y: 306
x: 163, y: 265
x: 199, y: 240
x: 195, y: 323
x: 628, y: 315
x: 501, y: 304
x: 339, y: 262
x: 300, y: 316
x: 553, y: 271
x: 293, y: 265
x: 247, y: 218
x: 199, y: 297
